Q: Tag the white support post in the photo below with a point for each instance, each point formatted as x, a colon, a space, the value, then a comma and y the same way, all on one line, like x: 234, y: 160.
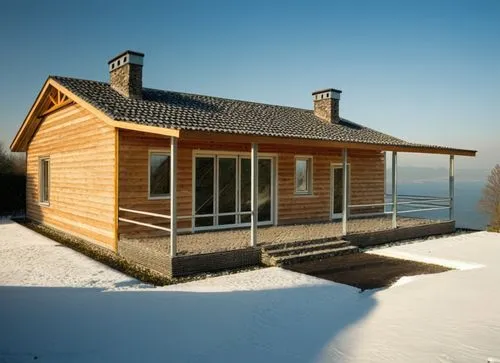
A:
x: 394, y: 189
x: 452, y: 187
x: 254, y: 171
x: 173, y: 196
x: 344, y: 191
x: 385, y: 171
x: 385, y: 177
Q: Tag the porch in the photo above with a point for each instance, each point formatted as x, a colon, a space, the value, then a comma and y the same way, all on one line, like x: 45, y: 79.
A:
x: 205, y: 252
x: 236, y: 239
x: 224, y: 203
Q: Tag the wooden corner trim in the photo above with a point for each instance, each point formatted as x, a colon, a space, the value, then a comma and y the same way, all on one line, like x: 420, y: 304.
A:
x: 116, y: 186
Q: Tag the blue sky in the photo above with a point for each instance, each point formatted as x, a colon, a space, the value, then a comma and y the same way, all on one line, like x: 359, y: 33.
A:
x: 425, y: 71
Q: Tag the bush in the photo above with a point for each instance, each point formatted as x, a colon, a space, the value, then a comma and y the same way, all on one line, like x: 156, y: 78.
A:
x: 12, y: 183
x: 12, y: 194
x: 490, y: 201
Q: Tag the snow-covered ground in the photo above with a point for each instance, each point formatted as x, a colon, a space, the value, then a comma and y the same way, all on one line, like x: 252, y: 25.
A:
x: 59, y: 306
x: 30, y: 259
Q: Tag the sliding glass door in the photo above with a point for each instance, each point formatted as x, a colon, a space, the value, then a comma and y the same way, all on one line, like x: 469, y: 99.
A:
x: 227, y: 190
x: 265, y: 190
x: 204, y: 191
x: 337, y: 190
x: 223, y: 189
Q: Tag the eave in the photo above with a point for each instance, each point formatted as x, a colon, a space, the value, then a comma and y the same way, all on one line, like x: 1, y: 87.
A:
x: 241, y: 138
x: 36, y: 115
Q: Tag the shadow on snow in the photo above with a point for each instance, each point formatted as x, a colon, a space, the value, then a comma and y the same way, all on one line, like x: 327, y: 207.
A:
x: 152, y: 325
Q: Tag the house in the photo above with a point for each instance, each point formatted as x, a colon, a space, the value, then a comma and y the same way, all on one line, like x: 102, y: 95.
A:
x: 106, y: 160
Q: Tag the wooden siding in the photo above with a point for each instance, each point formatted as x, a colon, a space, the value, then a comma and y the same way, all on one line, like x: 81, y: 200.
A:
x: 133, y: 192
x: 366, y: 183
x: 366, y: 178
x: 82, y: 160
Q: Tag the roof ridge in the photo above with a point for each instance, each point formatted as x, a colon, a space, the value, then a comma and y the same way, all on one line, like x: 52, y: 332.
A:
x: 189, y: 94
x: 54, y: 76
x: 231, y: 99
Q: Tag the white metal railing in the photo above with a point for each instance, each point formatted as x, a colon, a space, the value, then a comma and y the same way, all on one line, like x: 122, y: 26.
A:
x: 144, y: 213
x: 144, y: 224
x: 421, y: 203
x: 415, y: 203
x: 166, y: 216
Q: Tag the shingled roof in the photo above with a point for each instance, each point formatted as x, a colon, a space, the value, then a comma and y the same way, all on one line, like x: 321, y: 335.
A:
x: 184, y: 111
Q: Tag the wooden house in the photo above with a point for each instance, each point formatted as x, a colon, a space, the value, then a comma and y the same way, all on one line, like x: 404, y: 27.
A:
x: 106, y: 160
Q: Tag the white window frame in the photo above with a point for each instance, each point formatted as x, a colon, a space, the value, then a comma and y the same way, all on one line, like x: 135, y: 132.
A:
x: 309, y: 159
x: 151, y: 152
x: 216, y: 154
x: 41, y: 186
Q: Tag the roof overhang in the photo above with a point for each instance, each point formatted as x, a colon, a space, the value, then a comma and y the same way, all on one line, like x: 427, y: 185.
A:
x: 227, y: 137
x: 39, y: 110
x: 37, y: 114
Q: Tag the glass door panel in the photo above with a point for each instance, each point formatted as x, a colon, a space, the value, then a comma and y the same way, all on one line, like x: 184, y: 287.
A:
x: 338, y: 187
x: 245, y: 189
x: 204, y: 190
x: 265, y: 188
x: 265, y: 185
x: 338, y: 190
x: 227, y: 190
x: 217, y: 179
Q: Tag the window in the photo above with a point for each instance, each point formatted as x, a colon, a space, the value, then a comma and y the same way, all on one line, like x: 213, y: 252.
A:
x: 222, y: 189
x: 303, y: 175
x: 159, y: 175
x: 44, y: 180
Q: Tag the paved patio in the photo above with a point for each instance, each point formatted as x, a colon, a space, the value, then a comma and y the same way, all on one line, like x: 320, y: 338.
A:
x: 216, y: 241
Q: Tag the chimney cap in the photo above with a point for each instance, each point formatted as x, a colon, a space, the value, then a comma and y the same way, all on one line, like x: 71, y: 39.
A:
x: 131, y: 52
x: 327, y: 90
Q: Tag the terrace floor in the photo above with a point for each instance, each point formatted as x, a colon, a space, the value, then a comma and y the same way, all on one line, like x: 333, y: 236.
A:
x: 224, y: 240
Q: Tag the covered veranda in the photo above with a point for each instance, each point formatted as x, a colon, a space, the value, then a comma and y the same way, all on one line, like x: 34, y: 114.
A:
x: 390, y: 213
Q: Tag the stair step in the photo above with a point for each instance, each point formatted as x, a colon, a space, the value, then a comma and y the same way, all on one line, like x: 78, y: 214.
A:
x: 295, y: 250
x: 315, y: 255
x: 280, y: 246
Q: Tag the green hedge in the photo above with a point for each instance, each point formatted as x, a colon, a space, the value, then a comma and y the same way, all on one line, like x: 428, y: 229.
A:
x: 12, y: 194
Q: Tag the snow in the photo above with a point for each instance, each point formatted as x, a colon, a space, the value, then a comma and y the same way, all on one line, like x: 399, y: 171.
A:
x: 59, y: 306
x: 422, y: 257
x: 30, y: 259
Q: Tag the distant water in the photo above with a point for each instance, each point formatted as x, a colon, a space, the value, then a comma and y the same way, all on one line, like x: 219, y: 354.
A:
x: 467, y: 195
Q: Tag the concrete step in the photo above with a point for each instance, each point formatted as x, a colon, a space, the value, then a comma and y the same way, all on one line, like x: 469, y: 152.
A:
x: 314, y: 255
x: 301, y: 249
x: 280, y: 246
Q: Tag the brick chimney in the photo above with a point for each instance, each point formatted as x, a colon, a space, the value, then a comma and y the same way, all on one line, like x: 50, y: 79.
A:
x: 326, y: 105
x: 125, y: 74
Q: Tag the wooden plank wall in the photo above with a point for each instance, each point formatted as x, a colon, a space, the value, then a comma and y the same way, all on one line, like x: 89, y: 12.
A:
x: 367, y: 179
x: 82, y: 159
x: 366, y: 183
x: 133, y: 179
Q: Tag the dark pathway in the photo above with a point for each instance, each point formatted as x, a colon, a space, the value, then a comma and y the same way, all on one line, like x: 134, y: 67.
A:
x: 364, y: 270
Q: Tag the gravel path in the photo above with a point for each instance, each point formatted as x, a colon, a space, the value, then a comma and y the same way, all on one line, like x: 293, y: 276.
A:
x: 207, y: 242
